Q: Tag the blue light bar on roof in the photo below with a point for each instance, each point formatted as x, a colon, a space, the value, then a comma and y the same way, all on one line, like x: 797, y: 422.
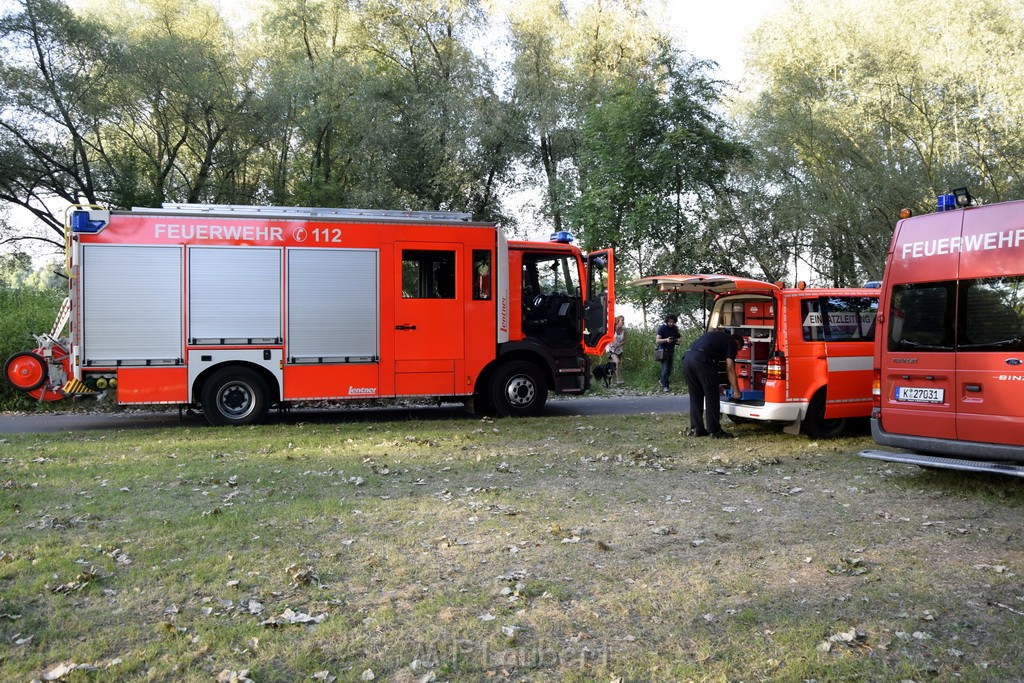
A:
x: 563, y: 236
x: 945, y: 202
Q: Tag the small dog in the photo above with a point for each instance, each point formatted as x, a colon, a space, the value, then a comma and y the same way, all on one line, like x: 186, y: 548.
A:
x: 605, y: 372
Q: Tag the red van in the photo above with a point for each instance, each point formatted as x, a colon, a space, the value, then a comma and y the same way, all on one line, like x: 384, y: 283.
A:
x: 807, y: 360
x: 949, y: 358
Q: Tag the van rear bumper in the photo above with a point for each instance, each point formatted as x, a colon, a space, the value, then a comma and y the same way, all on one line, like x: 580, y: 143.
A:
x: 766, y: 412
x: 970, y: 450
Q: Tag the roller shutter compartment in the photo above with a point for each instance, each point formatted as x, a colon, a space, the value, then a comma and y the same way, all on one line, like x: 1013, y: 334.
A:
x: 333, y: 306
x: 131, y: 305
x: 234, y: 295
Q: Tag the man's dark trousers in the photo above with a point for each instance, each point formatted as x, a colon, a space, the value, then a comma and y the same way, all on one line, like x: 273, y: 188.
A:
x: 701, y: 375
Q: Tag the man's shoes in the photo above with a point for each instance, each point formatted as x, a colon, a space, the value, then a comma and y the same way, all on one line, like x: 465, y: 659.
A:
x: 664, y: 389
x: 697, y: 432
x: 721, y: 434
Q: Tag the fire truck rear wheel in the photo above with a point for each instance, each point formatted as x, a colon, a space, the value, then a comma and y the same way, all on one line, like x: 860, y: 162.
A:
x: 518, y: 390
x: 26, y: 371
x: 816, y: 426
x: 235, y: 396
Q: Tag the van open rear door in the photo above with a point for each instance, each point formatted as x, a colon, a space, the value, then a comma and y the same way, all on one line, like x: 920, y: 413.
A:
x: 705, y: 284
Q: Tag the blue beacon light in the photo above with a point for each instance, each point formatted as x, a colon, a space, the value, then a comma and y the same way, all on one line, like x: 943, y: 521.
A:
x: 563, y: 236
x: 945, y: 202
x: 80, y: 222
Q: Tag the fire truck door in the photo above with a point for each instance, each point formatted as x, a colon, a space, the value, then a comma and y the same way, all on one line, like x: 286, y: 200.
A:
x: 429, y: 326
x: 599, y: 307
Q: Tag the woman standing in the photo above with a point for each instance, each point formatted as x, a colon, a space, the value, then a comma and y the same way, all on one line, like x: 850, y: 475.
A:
x: 617, y: 346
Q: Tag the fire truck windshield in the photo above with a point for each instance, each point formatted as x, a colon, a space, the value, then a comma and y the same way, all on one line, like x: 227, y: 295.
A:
x: 547, y: 275
x: 551, y: 298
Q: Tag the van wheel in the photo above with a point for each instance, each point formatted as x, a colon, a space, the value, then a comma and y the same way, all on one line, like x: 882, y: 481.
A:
x: 235, y: 396
x: 518, y: 390
x: 816, y: 426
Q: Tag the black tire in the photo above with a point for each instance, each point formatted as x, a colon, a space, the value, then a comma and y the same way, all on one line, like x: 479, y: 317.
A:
x: 518, y: 390
x: 235, y: 396
x: 816, y: 426
x: 482, y: 403
x: 16, y: 361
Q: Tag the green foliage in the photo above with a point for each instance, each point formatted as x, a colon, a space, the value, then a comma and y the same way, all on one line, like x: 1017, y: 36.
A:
x: 589, y: 108
x: 376, y: 103
x: 654, y: 152
x: 387, y: 107
x: 29, y: 301
x: 860, y: 117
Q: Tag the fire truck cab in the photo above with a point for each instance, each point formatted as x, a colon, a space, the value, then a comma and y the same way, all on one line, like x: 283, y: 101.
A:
x: 807, y: 359
x: 949, y: 359
x: 237, y: 308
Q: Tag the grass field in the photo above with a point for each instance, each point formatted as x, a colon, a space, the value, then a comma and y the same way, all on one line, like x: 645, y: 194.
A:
x: 550, y: 549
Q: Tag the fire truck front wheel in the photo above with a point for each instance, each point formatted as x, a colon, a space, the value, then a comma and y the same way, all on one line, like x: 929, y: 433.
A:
x: 235, y: 396
x: 518, y: 389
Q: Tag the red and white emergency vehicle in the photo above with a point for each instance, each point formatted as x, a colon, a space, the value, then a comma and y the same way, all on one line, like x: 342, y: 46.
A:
x: 807, y: 360
x: 949, y: 360
x: 237, y: 308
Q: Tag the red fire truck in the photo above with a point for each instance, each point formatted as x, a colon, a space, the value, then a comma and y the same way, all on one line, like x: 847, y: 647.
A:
x: 237, y: 308
x: 806, y: 363
x: 949, y: 359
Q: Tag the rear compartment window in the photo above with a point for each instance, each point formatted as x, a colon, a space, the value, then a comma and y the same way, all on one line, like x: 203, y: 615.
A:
x: 481, y: 274
x: 428, y: 274
x: 921, y: 317
x: 993, y: 314
x: 976, y: 315
x: 839, y: 318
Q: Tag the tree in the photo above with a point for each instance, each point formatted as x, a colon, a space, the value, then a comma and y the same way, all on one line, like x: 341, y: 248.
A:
x: 15, y: 269
x: 562, y: 65
x: 185, y: 115
x: 863, y: 117
x: 50, y: 68
x: 652, y: 156
x: 120, y: 112
x: 389, y: 107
